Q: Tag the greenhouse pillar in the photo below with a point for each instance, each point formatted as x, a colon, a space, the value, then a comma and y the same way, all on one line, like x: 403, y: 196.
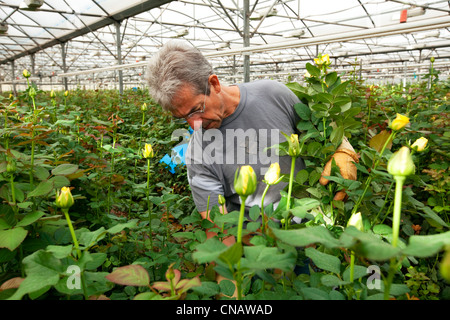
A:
x: 119, y: 56
x: 33, y: 73
x: 13, y: 78
x: 405, y: 70
x: 246, y: 40
x: 63, y: 55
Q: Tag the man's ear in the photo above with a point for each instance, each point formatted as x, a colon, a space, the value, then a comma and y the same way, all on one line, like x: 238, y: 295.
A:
x: 214, y: 83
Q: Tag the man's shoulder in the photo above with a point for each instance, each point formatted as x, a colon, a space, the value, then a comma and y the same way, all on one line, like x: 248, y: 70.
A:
x: 268, y: 87
x: 265, y: 83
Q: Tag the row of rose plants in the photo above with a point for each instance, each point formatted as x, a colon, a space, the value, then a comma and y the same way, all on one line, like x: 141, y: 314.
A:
x: 88, y: 211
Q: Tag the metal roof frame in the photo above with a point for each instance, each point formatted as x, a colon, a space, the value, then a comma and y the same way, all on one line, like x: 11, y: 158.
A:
x: 114, y: 37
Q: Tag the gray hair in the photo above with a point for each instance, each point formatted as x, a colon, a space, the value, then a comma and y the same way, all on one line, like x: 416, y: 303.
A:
x: 174, y: 65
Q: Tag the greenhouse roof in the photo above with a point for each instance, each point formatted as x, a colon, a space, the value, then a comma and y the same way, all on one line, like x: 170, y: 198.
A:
x: 56, y: 37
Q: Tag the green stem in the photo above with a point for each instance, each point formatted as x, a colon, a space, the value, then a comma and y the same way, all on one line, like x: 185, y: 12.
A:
x: 399, y: 180
x: 368, y: 121
x: 291, y: 180
x: 324, y: 121
x: 387, y: 286
x: 13, y: 194
x: 34, y: 108
x: 6, y: 120
x: 77, y: 248
x: 330, y: 189
x: 172, y: 288
x: 238, y: 277
x: 148, y: 205
x: 262, y: 210
x: 223, y: 212
x: 111, y: 173
x: 397, y: 208
x: 33, y: 143
x: 207, y: 207
x: 241, y: 219
x: 352, y: 266
x: 135, y: 161
x: 238, y: 280
x: 54, y: 110
x: 370, y: 177
x: 72, y: 232
x: 384, y: 204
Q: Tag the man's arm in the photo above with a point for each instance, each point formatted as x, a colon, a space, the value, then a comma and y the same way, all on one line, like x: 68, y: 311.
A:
x: 345, y: 158
x: 209, y: 234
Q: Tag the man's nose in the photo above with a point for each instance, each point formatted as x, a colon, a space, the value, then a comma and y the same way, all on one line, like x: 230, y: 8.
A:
x: 195, y: 123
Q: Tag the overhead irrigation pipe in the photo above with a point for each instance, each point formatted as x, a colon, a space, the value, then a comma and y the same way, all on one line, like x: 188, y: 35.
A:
x: 423, y: 25
x: 435, y: 23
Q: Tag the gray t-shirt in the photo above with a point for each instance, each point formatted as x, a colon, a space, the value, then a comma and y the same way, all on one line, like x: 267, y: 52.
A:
x: 213, y: 156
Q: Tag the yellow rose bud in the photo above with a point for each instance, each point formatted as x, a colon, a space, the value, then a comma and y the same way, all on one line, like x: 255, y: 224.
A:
x: 272, y: 175
x: 26, y: 73
x: 147, y: 152
x: 170, y: 273
x: 399, y: 123
x: 144, y: 107
x: 444, y: 267
x: 245, y: 183
x: 32, y: 92
x: 401, y: 163
x: 221, y: 200
x: 322, y: 59
x: 52, y: 94
x: 420, y: 144
x: 294, y: 145
x: 66, y: 93
x: 432, y: 59
x: 64, y: 198
x: 356, y: 221
x: 11, y: 166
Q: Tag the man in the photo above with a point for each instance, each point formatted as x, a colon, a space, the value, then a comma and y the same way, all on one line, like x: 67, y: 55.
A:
x: 233, y: 125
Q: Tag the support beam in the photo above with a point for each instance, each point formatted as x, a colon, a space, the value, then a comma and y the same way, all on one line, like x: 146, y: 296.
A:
x: 246, y: 40
x: 409, y: 27
x: 119, y: 56
x: 13, y: 77
x: 63, y: 55
x: 103, y: 22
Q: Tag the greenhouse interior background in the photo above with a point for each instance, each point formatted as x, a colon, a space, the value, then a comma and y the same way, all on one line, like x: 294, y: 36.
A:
x: 104, y: 44
x: 369, y: 141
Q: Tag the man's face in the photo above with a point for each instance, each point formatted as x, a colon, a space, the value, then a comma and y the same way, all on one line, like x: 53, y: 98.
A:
x: 199, y: 110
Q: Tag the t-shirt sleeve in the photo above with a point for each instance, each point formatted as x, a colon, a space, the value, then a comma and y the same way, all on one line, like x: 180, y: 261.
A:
x: 204, y: 183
